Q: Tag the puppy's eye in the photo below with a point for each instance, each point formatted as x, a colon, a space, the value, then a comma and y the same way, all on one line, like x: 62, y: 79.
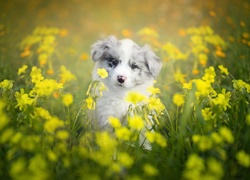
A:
x: 112, y: 62
x: 134, y: 66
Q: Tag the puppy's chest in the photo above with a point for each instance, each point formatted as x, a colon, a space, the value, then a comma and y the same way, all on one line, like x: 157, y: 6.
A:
x: 115, y: 106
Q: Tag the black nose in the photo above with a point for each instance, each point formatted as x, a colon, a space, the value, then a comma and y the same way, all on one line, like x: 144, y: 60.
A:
x: 121, y: 79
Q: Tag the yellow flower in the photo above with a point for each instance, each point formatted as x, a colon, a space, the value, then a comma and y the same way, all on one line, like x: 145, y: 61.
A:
x: 155, y: 137
x: 4, y: 120
x: 45, y: 88
x: 125, y: 160
x: 203, y: 88
x: 155, y: 104
x: 49, y: 39
x: 23, y: 100
x: 106, y: 142
x: 195, y: 162
x: 38, y: 167
x: 49, y: 49
x: 52, y: 124
x: 160, y: 140
x: 243, y: 158
x: 62, y: 135
x: 66, y: 75
x: 30, y: 142
x: 52, y: 156
x: 207, y: 114
x: 136, y: 122
x: 114, y: 122
x: 202, y: 57
x: 123, y: 133
x: 226, y: 134
x: 203, y: 63
x: 197, y: 169
x: 197, y: 39
x: 217, y: 139
x: 135, y: 97
x: 42, y: 113
x: 6, y: 84
x: 36, y: 75
x: 220, y: 53
x: 153, y: 90
x: 102, y: 73
x: 103, y: 158
x: 196, y: 138
x: 187, y: 85
x: 209, y: 75
x: 90, y: 103
x: 150, y: 136
x: 173, y: 52
x: 148, y: 32
x: 42, y: 58
x: 114, y: 167
x: 67, y: 99
x: 22, y: 70
x: 223, y: 99
x: 179, y: 77
x: 101, y: 88
x: 178, y: 99
x: 16, y: 138
x: 6, y: 135
x: 150, y: 170
x: 25, y: 53
x: 205, y: 143
x: 215, y: 168
x: 223, y: 69
x: 240, y: 85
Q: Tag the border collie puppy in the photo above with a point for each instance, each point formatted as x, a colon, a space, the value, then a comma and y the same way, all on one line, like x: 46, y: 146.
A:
x: 130, y: 68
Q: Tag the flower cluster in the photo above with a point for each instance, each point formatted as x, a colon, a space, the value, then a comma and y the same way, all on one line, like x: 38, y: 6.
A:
x: 197, y: 168
x: 42, y: 44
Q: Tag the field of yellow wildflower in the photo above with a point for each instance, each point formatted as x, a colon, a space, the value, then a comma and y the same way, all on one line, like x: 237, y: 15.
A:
x: 200, y: 102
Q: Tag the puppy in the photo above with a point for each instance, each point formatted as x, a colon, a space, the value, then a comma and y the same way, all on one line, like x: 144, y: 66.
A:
x: 130, y: 68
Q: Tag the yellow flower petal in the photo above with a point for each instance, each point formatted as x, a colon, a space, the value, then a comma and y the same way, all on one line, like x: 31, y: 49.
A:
x: 102, y: 73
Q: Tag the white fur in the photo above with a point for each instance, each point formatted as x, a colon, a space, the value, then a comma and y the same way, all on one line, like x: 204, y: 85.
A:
x: 106, y: 54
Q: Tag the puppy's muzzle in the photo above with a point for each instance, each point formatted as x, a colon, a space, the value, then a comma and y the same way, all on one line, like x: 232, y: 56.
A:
x: 121, y: 79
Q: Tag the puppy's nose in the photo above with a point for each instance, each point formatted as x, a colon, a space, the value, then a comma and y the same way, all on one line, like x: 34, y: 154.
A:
x: 121, y: 79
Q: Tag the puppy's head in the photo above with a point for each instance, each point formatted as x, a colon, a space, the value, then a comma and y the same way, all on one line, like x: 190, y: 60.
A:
x: 127, y: 64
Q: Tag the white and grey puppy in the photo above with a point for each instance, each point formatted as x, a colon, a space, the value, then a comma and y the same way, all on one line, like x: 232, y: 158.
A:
x: 130, y: 68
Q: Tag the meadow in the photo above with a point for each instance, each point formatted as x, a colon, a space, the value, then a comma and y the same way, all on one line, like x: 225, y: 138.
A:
x: 200, y: 101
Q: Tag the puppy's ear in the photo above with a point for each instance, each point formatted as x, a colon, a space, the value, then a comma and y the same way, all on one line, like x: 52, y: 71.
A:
x: 100, y: 47
x: 152, y: 61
